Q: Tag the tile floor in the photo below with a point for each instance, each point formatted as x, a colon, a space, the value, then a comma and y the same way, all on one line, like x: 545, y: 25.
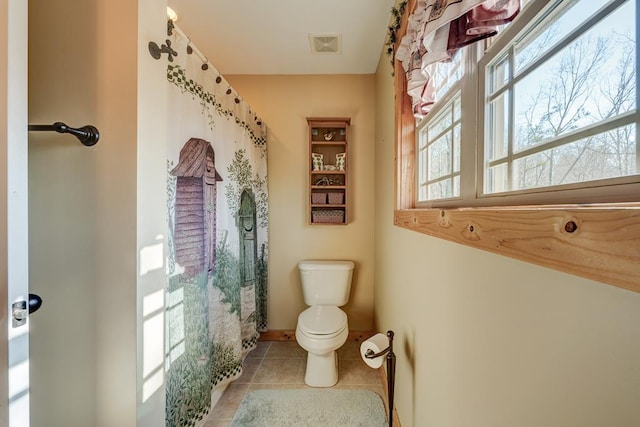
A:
x: 281, y: 364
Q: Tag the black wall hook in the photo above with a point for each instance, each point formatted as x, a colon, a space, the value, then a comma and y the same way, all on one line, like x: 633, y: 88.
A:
x: 88, y: 135
x: 157, y: 51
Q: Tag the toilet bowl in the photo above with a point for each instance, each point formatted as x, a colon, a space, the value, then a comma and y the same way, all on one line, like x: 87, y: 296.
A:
x: 321, y: 330
x: 323, y: 327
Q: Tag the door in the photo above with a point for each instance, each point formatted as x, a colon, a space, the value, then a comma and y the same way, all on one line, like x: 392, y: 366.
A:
x: 248, y: 248
x: 14, y: 347
x: 248, y: 257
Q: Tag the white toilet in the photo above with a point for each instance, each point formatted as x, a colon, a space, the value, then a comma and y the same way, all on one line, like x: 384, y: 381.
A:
x: 322, y: 328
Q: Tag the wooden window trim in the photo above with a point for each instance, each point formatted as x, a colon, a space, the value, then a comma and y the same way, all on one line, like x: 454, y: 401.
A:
x: 599, y: 242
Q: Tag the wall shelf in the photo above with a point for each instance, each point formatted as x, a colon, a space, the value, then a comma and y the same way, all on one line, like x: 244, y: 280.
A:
x: 328, y: 171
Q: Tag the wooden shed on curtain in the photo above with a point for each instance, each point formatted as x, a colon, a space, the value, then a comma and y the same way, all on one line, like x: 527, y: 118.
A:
x: 195, y: 211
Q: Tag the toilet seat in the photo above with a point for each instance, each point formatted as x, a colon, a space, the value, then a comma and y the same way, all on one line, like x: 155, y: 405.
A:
x: 322, y: 322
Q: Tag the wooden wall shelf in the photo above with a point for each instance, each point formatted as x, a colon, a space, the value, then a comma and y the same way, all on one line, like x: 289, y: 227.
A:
x: 328, y: 170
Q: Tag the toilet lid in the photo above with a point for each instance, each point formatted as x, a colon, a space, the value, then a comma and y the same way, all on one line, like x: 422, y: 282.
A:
x: 322, y: 320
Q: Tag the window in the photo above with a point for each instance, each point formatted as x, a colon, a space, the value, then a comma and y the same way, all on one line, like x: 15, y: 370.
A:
x: 548, y: 167
x: 557, y: 113
x: 561, y: 102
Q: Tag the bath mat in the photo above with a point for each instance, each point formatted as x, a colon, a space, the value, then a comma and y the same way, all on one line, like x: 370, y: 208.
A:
x: 310, y: 408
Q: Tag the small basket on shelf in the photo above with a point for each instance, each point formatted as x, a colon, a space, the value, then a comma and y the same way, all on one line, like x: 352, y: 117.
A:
x: 318, y: 198
x: 336, y: 198
x: 327, y: 216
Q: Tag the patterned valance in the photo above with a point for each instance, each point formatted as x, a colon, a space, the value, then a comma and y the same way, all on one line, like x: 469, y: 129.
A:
x: 437, y: 29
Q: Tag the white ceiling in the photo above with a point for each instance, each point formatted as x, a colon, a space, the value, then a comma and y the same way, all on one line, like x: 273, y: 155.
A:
x: 272, y: 36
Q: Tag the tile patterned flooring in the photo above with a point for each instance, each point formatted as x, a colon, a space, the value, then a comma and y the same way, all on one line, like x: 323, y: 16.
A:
x: 281, y: 364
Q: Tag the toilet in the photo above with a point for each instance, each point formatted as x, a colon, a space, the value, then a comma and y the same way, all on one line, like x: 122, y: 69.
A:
x: 322, y: 328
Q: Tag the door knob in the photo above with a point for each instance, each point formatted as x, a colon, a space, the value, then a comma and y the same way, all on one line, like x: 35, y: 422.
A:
x: 34, y: 303
x: 21, y: 309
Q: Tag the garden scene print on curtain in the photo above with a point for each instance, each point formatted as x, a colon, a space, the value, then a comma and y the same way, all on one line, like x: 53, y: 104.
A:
x: 217, y: 234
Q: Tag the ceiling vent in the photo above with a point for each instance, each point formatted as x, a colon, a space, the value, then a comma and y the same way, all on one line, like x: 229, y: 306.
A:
x: 323, y: 44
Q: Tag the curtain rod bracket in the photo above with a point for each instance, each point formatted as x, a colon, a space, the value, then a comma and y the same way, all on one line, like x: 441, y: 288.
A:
x: 157, y: 51
x: 88, y: 135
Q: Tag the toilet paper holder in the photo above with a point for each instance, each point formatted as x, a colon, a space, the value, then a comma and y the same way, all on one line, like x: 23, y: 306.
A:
x: 391, y: 370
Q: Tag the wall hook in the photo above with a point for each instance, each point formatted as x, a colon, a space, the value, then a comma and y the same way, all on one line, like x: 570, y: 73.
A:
x: 88, y: 135
x: 157, y: 51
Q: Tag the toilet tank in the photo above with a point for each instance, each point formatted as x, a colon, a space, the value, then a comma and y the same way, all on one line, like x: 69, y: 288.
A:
x: 325, y: 282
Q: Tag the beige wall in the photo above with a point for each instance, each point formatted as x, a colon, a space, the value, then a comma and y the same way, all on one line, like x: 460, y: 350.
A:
x: 62, y: 213
x: 487, y: 341
x: 84, y: 208
x: 284, y: 102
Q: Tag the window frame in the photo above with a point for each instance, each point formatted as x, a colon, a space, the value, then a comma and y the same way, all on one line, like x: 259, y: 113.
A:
x: 598, y: 241
x: 602, y: 190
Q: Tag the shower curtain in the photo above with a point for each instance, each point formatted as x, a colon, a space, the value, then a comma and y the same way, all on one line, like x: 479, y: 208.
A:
x: 217, y: 233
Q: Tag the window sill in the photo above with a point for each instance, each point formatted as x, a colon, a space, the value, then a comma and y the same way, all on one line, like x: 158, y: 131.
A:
x: 598, y: 242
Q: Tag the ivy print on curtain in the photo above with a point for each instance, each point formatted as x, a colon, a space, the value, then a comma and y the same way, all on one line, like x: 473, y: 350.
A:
x: 217, y: 234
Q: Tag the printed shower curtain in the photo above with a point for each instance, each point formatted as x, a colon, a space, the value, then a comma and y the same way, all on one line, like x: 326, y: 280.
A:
x: 217, y: 233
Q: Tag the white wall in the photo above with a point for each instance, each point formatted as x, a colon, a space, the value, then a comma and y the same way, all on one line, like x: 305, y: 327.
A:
x: 487, y: 341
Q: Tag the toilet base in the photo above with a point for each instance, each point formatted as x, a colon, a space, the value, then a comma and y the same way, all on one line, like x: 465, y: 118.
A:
x: 322, y: 370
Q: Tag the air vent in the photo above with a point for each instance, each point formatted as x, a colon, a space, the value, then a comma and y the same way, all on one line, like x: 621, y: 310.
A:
x: 323, y: 44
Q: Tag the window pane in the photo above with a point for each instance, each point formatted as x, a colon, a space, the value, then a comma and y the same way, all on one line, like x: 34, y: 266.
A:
x: 497, y: 179
x: 607, y: 155
x: 498, y: 138
x: 538, y: 41
x: 440, y: 157
x: 422, y: 162
x: 589, y: 81
x: 445, y: 74
x: 441, y: 190
x: 440, y: 123
x: 439, y: 153
x: 423, y: 193
x: 499, y: 74
x: 456, y: 148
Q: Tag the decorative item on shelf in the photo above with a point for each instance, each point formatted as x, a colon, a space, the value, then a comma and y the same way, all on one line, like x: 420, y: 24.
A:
x: 325, y: 181
x: 341, y: 161
x: 331, y: 168
x: 318, y: 160
x: 328, y: 136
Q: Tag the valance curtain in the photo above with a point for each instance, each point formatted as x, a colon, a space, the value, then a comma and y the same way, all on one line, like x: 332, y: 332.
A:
x: 217, y: 232
x: 437, y: 29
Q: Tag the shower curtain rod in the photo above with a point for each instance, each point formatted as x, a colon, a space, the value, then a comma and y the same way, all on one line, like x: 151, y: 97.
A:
x: 88, y: 135
x: 195, y: 49
x: 202, y: 57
